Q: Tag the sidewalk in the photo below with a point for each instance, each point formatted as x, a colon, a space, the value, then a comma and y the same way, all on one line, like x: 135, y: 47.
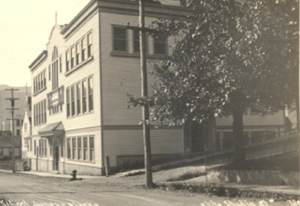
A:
x: 50, y: 174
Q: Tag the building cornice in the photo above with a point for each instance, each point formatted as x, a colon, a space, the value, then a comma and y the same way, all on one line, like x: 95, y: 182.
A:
x: 131, y: 8
x: 38, y: 60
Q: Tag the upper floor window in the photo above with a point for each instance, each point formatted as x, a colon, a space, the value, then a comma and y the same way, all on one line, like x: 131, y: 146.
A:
x: 39, y: 82
x: 55, y: 68
x: 83, y: 49
x: 78, y: 53
x: 80, y: 97
x: 39, y: 113
x: 72, y: 100
x: 68, y: 102
x: 72, y: 57
x: 89, y: 43
x: 67, y: 61
x: 60, y: 65
x: 160, y: 45
x: 119, y: 39
x: 90, y: 85
x: 136, y: 41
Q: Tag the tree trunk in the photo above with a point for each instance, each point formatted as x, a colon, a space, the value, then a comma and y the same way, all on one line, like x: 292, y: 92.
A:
x: 238, y: 157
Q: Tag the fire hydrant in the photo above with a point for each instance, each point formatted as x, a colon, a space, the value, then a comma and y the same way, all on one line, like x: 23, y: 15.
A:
x: 74, y: 174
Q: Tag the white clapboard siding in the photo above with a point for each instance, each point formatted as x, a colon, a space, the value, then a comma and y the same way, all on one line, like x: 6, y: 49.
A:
x: 130, y: 142
x: 121, y: 75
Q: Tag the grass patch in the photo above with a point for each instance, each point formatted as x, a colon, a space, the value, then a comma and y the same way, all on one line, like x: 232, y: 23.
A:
x: 222, y: 191
x: 186, y: 176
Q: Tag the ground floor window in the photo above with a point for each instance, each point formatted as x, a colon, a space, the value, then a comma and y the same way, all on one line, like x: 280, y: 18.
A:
x: 81, y: 148
x: 43, y: 147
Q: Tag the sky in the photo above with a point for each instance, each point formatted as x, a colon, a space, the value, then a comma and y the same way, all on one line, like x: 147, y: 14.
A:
x: 24, y: 33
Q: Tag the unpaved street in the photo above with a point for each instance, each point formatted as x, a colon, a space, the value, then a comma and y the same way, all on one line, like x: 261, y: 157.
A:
x: 34, y: 190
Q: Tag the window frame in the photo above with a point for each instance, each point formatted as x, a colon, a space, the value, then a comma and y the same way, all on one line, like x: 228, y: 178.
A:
x: 89, y: 38
x: 119, y: 39
x: 91, y: 150
x: 90, y: 94
x: 84, y: 96
x: 155, y: 38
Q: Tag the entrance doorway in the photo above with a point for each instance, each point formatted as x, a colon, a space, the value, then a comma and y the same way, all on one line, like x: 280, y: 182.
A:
x: 56, y: 158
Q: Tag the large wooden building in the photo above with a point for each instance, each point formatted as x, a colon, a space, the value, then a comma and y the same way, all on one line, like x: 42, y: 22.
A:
x: 80, y: 84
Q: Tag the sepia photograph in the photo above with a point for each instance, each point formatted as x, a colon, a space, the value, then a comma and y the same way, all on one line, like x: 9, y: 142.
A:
x: 149, y: 103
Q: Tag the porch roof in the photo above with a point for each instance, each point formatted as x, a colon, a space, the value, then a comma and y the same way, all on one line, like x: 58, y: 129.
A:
x: 56, y: 128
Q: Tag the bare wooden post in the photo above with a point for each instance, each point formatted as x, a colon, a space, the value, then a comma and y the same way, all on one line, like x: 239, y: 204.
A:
x: 144, y: 93
x: 107, y: 166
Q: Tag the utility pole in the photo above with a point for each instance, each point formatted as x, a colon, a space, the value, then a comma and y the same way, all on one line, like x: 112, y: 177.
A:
x: 12, y: 100
x: 144, y: 92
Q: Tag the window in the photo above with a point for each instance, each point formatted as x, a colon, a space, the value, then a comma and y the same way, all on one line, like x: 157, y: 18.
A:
x: 34, y: 146
x: 79, y: 148
x: 67, y: 61
x: 119, y: 39
x: 55, y: 74
x: 85, y: 148
x: 84, y: 101
x: 40, y: 115
x: 92, y: 151
x: 49, y: 71
x: 40, y: 147
x: 72, y: 57
x: 89, y: 42
x: 45, y: 112
x: 68, y: 103
x: 72, y: 101
x: 69, y: 148
x: 83, y: 48
x: 42, y: 112
x: 42, y: 80
x: 39, y: 81
x: 18, y: 132
x: 45, y: 78
x: 160, y: 45
x: 78, y: 53
x: 60, y: 65
x: 73, y: 148
x: 90, y: 84
x: 78, y: 97
x: 45, y: 147
x: 136, y: 41
x: 34, y: 85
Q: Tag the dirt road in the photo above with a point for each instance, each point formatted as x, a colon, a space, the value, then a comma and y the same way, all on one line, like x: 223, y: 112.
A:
x: 30, y: 190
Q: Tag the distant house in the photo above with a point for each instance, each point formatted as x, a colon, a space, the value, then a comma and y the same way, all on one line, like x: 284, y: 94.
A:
x: 27, y: 129
x: 6, y: 145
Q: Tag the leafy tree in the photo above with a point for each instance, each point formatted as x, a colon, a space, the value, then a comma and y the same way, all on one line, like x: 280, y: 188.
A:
x: 228, y: 57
